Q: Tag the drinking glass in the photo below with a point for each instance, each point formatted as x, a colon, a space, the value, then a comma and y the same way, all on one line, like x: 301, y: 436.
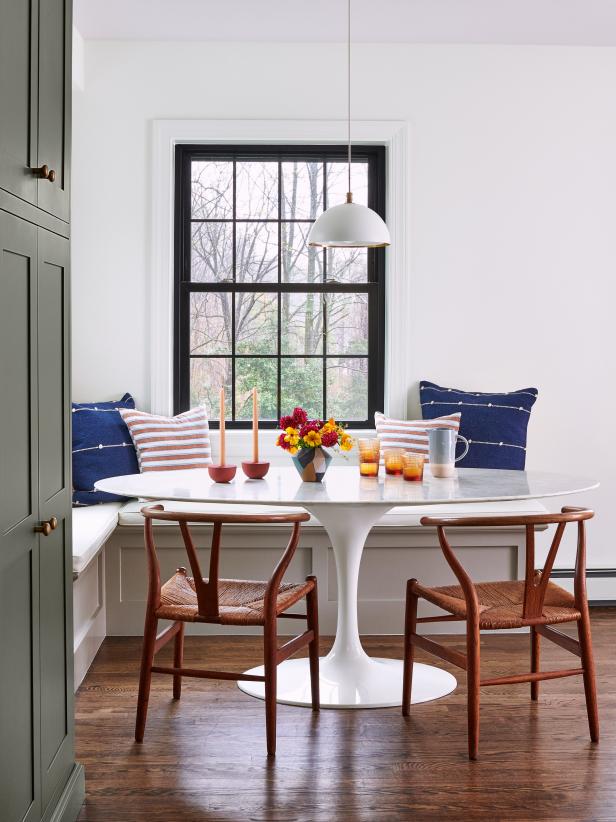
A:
x: 393, y: 461
x: 413, y: 467
x: 369, y: 456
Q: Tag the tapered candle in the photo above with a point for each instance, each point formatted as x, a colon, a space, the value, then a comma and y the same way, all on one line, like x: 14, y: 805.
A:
x: 255, y: 426
x: 222, y: 427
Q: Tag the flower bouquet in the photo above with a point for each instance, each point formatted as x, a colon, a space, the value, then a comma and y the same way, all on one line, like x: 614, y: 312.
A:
x: 306, y: 441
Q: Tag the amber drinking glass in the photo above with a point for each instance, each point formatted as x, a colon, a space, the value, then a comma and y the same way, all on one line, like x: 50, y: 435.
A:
x: 413, y: 467
x: 392, y: 458
x: 369, y: 456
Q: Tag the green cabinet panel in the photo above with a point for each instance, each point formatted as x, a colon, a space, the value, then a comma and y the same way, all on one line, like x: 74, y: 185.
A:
x: 19, y: 545
x: 54, y: 492
x: 18, y: 78
x: 54, y: 103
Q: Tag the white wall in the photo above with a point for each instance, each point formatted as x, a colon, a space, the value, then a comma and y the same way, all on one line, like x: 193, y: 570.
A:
x: 512, y: 186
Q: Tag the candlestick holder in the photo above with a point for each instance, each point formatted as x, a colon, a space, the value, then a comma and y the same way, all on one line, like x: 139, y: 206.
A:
x: 222, y: 473
x: 255, y: 470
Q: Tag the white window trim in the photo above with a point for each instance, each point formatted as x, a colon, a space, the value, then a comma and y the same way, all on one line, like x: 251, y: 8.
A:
x: 167, y: 133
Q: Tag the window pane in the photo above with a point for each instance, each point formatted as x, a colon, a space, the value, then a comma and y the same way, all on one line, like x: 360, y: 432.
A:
x: 256, y: 259
x: 347, y: 265
x: 256, y: 323
x: 256, y: 190
x: 338, y: 183
x: 302, y: 190
x: 347, y: 388
x: 301, y: 323
x: 207, y: 376
x: 301, y: 383
x: 211, y: 258
x: 300, y: 263
x: 211, y: 192
x: 261, y: 374
x: 347, y: 323
x: 210, y: 322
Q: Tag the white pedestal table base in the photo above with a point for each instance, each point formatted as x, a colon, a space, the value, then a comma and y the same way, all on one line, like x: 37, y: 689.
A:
x: 370, y: 683
x: 348, y: 677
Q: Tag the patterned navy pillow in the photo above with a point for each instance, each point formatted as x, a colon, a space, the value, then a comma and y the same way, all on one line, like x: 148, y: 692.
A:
x: 102, y: 447
x: 494, y: 424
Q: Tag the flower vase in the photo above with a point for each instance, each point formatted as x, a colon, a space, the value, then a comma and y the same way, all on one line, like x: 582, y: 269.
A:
x: 312, y: 463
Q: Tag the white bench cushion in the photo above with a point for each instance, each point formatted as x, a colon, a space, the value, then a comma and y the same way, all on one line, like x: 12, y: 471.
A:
x: 400, y: 517
x: 92, y: 527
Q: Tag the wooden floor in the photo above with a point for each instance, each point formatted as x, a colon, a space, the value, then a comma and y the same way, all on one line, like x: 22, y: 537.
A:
x: 203, y: 758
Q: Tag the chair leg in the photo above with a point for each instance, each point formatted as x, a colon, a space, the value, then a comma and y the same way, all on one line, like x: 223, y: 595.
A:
x: 145, y: 676
x: 588, y: 663
x: 178, y: 659
x: 472, y: 680
x: 270, y: 642
x: 312, y: 611
x: 410, y: 625
x: 535, y: 655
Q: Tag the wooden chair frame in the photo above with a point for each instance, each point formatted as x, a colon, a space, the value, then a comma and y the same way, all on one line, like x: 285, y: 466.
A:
x: 535, y: 587
x: 206, y: 590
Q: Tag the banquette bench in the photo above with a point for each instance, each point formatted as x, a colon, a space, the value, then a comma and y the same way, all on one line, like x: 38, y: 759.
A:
x: 109, y: 587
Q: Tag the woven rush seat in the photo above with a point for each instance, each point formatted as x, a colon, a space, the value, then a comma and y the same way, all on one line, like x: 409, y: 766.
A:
x: 501, y: 603
x: 240, y: 601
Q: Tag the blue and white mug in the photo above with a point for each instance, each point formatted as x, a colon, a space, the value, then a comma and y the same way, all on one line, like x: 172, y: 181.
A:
x: 442, y: 450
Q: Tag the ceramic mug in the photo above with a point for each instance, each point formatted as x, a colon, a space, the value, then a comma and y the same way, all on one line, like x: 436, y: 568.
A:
x: 442, y: 451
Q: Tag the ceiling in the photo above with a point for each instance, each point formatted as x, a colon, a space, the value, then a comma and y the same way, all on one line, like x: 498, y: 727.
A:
x: 548, y: 22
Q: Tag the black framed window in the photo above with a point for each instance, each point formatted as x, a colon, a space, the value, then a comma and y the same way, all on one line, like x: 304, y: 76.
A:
x: 255, y: 305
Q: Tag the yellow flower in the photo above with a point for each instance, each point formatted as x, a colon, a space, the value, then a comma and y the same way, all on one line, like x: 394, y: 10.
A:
x: 312, y: 439
x: 293, y: 450
x: 291, y: 436
x: 346, y: 443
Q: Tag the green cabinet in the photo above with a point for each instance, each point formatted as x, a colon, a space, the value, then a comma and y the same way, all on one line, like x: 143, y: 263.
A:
x: 35, y: 102
x: 36, y: 704
x: 39, y: 780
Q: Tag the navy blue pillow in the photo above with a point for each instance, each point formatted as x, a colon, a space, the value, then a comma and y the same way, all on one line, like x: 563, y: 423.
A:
x: 494, y: 424
x: 102, y: 447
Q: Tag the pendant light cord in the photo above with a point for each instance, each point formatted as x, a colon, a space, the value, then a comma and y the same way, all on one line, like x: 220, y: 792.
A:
x: 349, y: 91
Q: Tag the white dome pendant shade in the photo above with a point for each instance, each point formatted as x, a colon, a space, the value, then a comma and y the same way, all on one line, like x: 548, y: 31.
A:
x: 349, y: 225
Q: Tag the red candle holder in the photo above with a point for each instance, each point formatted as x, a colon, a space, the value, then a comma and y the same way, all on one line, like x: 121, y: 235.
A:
x: 255, y: 470
x: 222, y: 473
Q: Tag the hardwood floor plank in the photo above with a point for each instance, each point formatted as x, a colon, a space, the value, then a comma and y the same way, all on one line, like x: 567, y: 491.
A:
x: 203, y: 758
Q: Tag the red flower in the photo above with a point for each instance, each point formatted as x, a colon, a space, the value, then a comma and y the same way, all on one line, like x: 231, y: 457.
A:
x: 329, y: 439
x: 281, y: 441
x: 299, y: 417
x: 287, y: 422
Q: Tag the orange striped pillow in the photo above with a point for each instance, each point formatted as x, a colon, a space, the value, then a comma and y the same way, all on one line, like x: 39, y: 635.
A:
x: 410, y: 434
x: 169, y: 443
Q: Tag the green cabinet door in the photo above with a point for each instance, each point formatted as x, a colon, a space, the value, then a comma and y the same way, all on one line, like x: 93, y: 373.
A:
x: 55, y: 31
x: 18, y: 77
x: 54, y: 491
x: 19, y: 544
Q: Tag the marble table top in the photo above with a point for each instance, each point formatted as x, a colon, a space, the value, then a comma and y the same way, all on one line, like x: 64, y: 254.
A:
x: 343, y: 485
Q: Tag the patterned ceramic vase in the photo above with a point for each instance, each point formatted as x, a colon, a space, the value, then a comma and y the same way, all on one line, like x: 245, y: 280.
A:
x: 312, y: 463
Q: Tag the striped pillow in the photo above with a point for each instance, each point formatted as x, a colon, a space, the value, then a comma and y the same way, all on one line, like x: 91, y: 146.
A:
x: 410, y: 434
x: 170, y: 443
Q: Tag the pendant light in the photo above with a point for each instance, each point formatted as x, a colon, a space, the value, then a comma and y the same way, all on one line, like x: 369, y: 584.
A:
x: 349, y: 225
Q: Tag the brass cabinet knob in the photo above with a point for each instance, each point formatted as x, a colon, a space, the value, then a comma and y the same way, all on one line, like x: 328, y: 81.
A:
x: 46, y: 527
x: 45, y: 173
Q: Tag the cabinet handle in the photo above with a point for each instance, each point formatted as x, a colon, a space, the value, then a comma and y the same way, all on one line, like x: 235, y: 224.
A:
x: 45, y: 173
x: 47, y: 526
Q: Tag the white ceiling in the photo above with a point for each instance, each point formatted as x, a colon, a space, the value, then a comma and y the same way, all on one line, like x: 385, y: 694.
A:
x: 557, y: 22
